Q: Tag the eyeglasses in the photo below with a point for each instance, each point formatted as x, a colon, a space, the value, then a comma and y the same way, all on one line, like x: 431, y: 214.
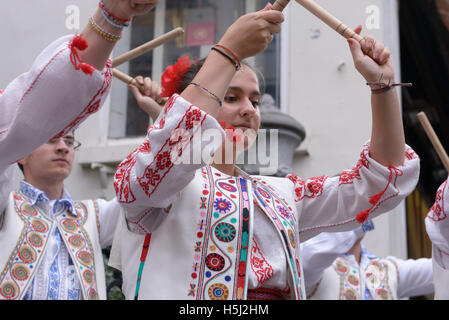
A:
x: 69, y: 142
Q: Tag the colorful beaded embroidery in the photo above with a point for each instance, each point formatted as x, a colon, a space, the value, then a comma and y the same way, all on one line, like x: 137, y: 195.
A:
x: 80, y: 248
x: 24, y: 260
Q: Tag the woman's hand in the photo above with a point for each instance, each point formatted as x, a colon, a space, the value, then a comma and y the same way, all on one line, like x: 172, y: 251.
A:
x: 375, y: 67
x: 251, y: 33
x: 126, y: 9
x: 150, y: 100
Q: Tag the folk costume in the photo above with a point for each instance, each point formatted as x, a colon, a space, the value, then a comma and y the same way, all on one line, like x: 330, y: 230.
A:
x: 207, y: 235
x: 437, y: 226
x: 51, y: 249
x: 332, y: 273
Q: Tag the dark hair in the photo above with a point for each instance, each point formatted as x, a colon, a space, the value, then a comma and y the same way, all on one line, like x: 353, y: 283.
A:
x: 196, y: 66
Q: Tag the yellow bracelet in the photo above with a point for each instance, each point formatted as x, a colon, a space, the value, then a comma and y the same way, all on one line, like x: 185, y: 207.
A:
x: 105, y: 35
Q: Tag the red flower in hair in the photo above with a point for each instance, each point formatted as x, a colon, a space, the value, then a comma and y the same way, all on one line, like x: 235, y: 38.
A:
x: 172, y: 76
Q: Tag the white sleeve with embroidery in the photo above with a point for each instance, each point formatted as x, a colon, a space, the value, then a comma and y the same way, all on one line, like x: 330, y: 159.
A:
x: 108, y: 217
x: 415, y: 277
x: 437, y: 226
x: 319, y: 252
x: 52, y: 98
x: 150, y: 178
x: 342, y: 203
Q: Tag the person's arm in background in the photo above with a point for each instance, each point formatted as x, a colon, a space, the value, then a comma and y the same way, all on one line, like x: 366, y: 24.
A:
x: 62, y: 88
x: 318, y: 253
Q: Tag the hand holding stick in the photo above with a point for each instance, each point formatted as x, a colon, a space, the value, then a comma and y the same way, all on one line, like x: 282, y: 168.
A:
x: 129, y: 80
x: 434, y: 139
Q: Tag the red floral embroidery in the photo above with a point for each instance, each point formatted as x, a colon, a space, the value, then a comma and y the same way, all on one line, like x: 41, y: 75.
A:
x: 162, y: 123
x: 437, y: 213
x: 348, y: 176
x: 410, y: 154
x: 145, y: 147
x: 170, y: 103
x: 315, y: 186
x: 178, y: 140
x: 151, y: 177
x: 163, y: 160
x: 193, y: 118
x: 260, y: 265
x: 93, y: 105
x: 122, y: 179
x: 363, y: 161
x: 311, y: 188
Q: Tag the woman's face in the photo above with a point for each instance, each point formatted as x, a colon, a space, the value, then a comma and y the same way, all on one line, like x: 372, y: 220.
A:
x: 241, y: 104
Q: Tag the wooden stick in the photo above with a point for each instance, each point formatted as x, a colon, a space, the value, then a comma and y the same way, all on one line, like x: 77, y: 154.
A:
x: 330, y: 20
x: 126, y: 79
x: 129, y: 80
x: 136, y: 52
x: 434, y: 139
x: 280, y: 5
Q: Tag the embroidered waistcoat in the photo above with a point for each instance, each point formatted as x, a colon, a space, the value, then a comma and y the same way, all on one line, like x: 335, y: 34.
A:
x: 342, y: 281
x: 205, y: 241
x: 24, y: 235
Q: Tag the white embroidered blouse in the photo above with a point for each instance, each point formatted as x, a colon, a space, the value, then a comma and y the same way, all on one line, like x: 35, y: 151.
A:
x: 437, y: 226
x: 150, y: 185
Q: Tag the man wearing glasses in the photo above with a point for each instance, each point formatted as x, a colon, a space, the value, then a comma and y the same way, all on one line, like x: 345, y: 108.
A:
x: 53, y: 243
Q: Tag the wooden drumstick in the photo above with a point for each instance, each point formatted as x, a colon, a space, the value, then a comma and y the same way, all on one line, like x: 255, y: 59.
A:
x: 331, y: 21
x: 434, y: 139
x: 280, y: 5
x: 150, y: 45
x: 129, y: 80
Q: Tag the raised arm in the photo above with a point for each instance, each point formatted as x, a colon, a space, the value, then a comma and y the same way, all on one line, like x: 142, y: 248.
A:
x: 248, y: 36
x: 66, y: 83
x: 387, y: 136
x: 415, y: 277
x: 99, y: 49
x: 151, y: 177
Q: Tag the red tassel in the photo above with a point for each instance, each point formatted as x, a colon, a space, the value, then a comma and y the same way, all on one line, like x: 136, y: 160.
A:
x: 223, y: 124
x: 375, y: 199
x: 86, y: 68
x: 79, y: 43
x: 362, y: 216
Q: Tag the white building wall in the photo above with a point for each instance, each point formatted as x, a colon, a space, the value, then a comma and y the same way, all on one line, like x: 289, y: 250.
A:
x: 319, y: 83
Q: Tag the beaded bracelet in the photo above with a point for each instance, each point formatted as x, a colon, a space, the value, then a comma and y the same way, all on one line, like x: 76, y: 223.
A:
x: 104, y: 34
x: 220, y: 102
x: 237, y: 60
x: 236, y: 65
x: 112, y: 19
